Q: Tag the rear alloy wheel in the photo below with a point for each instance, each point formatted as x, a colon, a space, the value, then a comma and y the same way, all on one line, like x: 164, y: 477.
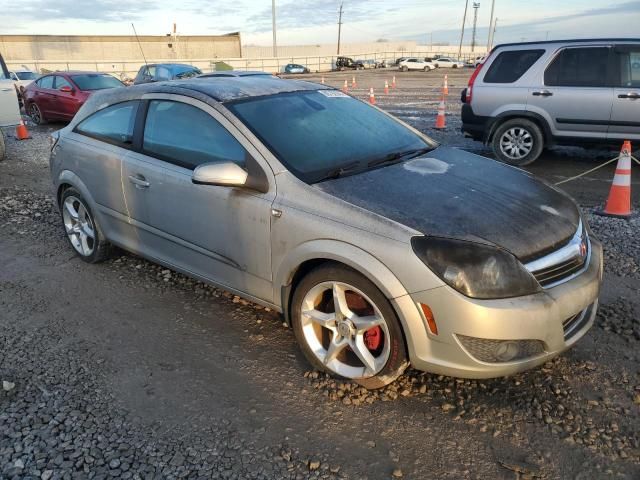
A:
x: 345, y: 326
x: 83, y: 232
x: 36, y: 115
x: 518, y: 142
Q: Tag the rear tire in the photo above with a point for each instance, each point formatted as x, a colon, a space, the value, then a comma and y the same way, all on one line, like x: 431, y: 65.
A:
x: 517, y: 142
x: 82, y: 229
x: 36, y: 114
x: 363, y: 342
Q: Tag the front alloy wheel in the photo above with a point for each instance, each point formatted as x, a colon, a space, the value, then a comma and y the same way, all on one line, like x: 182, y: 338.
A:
x: 347, y: 328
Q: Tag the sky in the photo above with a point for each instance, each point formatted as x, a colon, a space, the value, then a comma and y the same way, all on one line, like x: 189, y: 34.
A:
x: 315, y: 21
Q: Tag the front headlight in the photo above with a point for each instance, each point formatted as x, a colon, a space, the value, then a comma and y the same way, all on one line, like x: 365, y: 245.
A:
x: 475, y: 270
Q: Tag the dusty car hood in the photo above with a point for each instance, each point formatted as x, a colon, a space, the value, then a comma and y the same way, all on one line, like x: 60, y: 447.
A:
x: 456, y: 194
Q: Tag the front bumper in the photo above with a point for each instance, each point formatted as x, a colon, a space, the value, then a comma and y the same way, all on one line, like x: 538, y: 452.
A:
x: 555, y: 318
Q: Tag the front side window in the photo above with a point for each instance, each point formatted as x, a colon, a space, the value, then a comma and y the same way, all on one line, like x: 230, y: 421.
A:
x: 628, y: 64
x: 96, y: 81
x: 187, y: 136
x: 509, y: 66
x: 324, y: 131
x: 579, y: 67
x: 113, y: 124
x: 46, y: 82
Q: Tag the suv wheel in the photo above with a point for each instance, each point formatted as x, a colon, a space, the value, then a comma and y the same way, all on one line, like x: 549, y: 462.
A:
x: 346, y: 327
x: 83, y: 232
x: 518, y: 142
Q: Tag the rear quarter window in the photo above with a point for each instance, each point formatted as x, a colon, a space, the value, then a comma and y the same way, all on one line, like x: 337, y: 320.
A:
x: 113, y: 124
x: 509, y: 66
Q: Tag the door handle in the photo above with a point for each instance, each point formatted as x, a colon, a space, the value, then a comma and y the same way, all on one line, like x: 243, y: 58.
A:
x: 633, y: 95
x: 139, y: 181
x: 542, y: 93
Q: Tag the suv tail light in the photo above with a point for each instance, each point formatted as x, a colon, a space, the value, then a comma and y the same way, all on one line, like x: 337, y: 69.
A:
x: 469, y: 91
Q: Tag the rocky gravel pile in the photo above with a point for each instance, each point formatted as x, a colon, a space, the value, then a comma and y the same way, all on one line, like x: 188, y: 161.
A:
x: 621, y: 241
x: 57, y: 421
x: 622, y: 318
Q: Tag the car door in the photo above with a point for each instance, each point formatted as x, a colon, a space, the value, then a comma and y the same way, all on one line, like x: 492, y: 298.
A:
x: 98, y: 145
x: 66, y: 102
x: 44, y: 96
x: 9, y: 108
x: 625, y: 114
x: 221, y: 234
x: 576, y: 94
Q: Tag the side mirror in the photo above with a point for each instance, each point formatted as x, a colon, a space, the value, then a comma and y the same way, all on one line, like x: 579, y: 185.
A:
x: 66, y: 89
x: 226, y: 174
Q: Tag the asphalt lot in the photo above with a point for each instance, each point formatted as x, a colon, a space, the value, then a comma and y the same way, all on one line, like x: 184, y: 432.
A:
x: 127, y: 370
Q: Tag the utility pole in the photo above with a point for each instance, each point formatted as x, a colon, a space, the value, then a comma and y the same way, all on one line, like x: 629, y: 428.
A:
x: 493, y: 33
x: 273, y: 26
x: 339, y: 27
x: 493, y: 4
x: 464, y: 20
x: 476, y: 6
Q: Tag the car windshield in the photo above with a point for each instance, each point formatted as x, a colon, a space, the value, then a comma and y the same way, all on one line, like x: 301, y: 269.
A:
x: 96, y: 81
x: 26, y: 75
x: 186, y: 71
x: 324, y: 134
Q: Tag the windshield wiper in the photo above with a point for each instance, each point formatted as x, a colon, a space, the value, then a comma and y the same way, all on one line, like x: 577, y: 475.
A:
x: 340, y: 171
x: 397, y: 156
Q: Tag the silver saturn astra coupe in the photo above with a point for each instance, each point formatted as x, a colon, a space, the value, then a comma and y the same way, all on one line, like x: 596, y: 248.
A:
x: 380, y: 247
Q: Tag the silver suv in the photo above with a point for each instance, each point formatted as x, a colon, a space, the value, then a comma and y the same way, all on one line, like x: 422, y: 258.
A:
x: 528, y: 96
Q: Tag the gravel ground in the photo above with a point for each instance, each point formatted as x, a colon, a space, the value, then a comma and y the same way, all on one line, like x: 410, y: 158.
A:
x: 130, y: 370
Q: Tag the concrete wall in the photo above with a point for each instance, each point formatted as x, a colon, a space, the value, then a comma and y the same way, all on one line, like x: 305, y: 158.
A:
x: 110, y: 48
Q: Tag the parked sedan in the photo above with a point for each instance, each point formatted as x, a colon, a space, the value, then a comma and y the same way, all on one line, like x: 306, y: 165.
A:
x: 447, y: 62
x: 416, y: 64
x: 58, y: 96
x: 370, y: 239
x: 295, y: 68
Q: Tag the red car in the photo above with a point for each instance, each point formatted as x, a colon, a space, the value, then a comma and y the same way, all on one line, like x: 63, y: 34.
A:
x: 59, y: 95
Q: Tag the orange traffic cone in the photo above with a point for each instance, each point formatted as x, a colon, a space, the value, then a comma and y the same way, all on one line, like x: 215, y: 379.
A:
x: 345, y: 87
x: 21, y: 131
x: 386, y: 87
x: 372, y: 97
x: 393, y: 82
x: 440, y: 119
x: 353, y: 82
x: 619, y: 201
x: 445, y: 88
x: 322, y: 80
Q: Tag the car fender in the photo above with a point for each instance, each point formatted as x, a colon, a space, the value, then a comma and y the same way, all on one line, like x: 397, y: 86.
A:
x: 70, y: 178
x: 364, y: 263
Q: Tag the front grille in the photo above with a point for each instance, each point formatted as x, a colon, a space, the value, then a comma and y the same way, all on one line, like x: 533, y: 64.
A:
x: 555, y: 273
x: 485, y: 349
x: 573, y: 325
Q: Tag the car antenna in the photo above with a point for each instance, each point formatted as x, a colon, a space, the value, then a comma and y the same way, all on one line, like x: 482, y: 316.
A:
x: 140, y: 45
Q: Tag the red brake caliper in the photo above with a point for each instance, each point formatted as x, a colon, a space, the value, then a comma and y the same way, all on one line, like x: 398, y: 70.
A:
x: 373, y: 338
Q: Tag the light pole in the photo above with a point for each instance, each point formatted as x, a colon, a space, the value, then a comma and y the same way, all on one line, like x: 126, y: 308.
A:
x: 464, y: 20
x: 489, y: 39
x: 476, y: 6
x: 273, y: 22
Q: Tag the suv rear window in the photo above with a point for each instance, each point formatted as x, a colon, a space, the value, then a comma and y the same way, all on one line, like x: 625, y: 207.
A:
x: 579, y: 67
x: 510, y: 66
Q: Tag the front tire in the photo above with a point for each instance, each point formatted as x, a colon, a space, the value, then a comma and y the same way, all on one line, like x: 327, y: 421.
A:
x: 345, y: 326
x: 83, y: 231
x: 518, y: 142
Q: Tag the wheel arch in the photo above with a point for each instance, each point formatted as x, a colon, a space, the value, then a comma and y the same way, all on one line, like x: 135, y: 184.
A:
x: 67, y: 179
x: 513, y: 114
x: 310, y: 255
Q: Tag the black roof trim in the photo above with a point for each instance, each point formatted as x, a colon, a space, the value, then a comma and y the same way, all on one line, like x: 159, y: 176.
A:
x: 575, y: 40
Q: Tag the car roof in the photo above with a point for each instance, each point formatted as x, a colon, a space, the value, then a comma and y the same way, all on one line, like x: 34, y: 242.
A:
x: 574, y: 40
x: 233, y: 73
x: 169, y: 65
x: 74, y: 72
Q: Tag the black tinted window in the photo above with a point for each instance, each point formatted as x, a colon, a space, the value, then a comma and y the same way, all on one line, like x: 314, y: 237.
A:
x: 92, y: 81
x: 46, y: 82
x: 628, y: 64
x: 579, y: 67
x: 187, y: 136
x: 113, y: 124
x: 510, y: 66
